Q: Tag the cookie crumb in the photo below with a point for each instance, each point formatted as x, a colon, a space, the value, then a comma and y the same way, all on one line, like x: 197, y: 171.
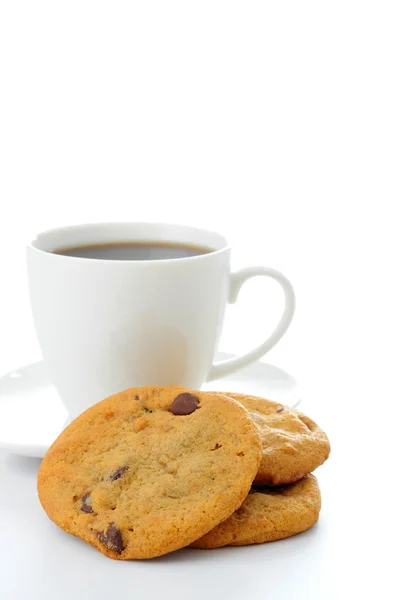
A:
x: 140, y: 424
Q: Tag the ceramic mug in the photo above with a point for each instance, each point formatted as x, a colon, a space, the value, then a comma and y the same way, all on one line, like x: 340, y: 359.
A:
x: 106, y: 325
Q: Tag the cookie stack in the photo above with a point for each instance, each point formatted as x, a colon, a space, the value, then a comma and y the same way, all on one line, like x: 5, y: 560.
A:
x: 154, y: 469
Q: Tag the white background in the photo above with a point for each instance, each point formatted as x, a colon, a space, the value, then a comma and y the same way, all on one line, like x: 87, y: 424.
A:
x: 275, y: 123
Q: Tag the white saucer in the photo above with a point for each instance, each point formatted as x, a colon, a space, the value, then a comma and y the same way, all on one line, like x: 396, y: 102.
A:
x: 32, y: 414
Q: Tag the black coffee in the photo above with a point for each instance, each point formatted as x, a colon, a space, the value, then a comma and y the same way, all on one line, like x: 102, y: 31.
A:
x: 134, y: 251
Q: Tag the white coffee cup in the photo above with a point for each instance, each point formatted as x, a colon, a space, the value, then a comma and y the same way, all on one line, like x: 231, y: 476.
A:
x: 106, y: 325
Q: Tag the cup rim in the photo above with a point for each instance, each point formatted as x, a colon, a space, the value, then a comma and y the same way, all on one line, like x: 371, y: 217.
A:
x: 221, y: 246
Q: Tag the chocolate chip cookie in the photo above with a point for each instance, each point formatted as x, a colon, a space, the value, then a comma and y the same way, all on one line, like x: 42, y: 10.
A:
x: 150, y: 470
x: 268, y: 514
x: 293, y: 445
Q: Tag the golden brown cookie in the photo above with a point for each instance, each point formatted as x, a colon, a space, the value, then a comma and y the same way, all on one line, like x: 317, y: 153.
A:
x: 150, y: 470
x: 293, y: 445
x: 268, y: 514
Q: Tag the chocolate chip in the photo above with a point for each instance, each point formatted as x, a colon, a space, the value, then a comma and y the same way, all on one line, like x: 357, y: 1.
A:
x: 280, y: 409
x: 117, y: 474
x: 136, y: 397
x: 111, y: 538
x: 86, y: 504
x: 216, y: 447
x: 184, y: 404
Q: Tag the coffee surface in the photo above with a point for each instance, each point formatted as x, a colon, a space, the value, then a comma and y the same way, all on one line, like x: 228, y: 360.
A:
x: 134, y: 251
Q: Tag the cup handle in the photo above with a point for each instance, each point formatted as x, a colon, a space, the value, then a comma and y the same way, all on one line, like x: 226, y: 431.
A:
x: 237, y: 280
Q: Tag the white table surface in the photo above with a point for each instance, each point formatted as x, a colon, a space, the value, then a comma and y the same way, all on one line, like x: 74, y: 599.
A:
x: 40, y: 561
x: 343, y: 556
